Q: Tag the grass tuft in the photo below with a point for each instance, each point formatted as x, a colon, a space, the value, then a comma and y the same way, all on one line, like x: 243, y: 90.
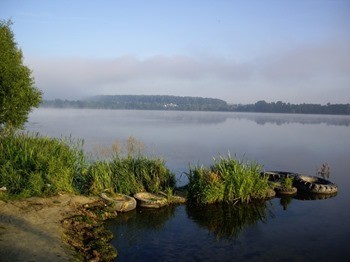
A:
x: 227, y: 180
x: 129, y: 175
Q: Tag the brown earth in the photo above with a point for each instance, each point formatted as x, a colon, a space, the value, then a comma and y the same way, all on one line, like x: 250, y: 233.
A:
x: 31, y: 229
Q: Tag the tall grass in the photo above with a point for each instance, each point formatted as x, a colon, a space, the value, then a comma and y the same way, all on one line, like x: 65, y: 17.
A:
x: 123, y: 168
x: 130, y: 175
x: 227, y: 180
x: 32, y: 165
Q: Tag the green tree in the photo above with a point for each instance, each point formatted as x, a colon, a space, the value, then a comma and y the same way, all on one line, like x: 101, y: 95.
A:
x: 17, y: 91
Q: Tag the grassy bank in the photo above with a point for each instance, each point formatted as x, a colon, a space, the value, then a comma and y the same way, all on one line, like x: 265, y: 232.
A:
x: 33, y: 165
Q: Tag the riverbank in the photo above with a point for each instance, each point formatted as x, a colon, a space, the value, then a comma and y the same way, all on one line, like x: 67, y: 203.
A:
x: 31, y: 229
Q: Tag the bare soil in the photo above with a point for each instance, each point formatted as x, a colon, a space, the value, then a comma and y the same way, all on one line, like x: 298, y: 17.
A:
x: 31, y: 229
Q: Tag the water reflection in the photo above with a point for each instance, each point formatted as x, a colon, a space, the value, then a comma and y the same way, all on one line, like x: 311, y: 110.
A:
x: 305, y: 196
x: 228, y: 221
x: 223, y: 220
x: 143, y: 218
x: 285, y: 201
x: 283, y: 119
x: 205, y: 118
x: 174, y: 118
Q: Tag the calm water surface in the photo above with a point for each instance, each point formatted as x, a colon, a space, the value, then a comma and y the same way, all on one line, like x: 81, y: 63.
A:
x: 295, y: 229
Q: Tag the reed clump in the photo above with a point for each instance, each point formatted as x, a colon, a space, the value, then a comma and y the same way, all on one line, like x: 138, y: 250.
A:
x: 227, y: 180
x: 124, y: 168
x: 129, y: 175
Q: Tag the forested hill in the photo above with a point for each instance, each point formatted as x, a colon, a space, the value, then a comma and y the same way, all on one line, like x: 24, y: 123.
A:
x: 145, y: 102
x: 159, y: 102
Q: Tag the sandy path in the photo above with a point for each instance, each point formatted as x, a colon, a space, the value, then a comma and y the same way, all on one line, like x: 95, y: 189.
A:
x: 30, y: 230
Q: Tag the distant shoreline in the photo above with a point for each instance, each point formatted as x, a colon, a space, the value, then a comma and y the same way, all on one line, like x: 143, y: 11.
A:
x: 179, y: 103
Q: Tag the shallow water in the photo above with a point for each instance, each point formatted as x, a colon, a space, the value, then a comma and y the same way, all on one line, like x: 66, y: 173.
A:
x: 277, y: 230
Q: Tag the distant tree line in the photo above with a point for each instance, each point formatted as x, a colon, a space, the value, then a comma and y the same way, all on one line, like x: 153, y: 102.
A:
x: 280, y: 107
x: 159, y: 102
x: 144, y: 102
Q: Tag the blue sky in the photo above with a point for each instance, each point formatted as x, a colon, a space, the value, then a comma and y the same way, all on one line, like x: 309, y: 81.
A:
x: 241, y: 51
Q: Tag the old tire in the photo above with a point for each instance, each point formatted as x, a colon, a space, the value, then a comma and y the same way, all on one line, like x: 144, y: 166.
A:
x: 150, y: 200
x: 119, y: 202
x: 270, y: 194
x: 315, y: 185
x: 281, y: 190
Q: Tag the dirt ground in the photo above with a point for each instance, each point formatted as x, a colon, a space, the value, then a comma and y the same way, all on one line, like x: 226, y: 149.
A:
x: 31, y: 230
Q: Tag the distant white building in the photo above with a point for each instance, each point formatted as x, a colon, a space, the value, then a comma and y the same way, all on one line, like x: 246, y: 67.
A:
x: 170, y: 105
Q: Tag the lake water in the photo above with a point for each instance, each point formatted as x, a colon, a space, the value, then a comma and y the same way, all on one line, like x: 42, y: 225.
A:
x: 294, y: 229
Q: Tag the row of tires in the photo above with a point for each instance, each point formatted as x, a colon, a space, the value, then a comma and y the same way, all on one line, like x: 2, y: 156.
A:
x: 308, y: 184
x: 303, y: 183
x: 124, y: 203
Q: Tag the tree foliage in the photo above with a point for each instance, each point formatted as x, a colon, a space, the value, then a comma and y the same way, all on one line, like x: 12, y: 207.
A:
x: 17, y: 91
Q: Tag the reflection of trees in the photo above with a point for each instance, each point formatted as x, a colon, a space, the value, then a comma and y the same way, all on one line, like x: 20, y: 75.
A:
x: 227, y: 221
x: 283, y: 119
x: 259, y: 118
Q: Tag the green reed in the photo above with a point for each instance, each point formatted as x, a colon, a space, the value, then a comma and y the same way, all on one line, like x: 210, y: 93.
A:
x: 32, y: 165
x: 129, y: 175
x: 227, y: 180
x: 123, y: 168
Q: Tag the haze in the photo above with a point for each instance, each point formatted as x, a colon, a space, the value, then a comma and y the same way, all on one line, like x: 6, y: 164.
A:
x: 239, y: 51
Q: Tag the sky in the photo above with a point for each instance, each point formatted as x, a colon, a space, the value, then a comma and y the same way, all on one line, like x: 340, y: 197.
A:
x: 295, y: 51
